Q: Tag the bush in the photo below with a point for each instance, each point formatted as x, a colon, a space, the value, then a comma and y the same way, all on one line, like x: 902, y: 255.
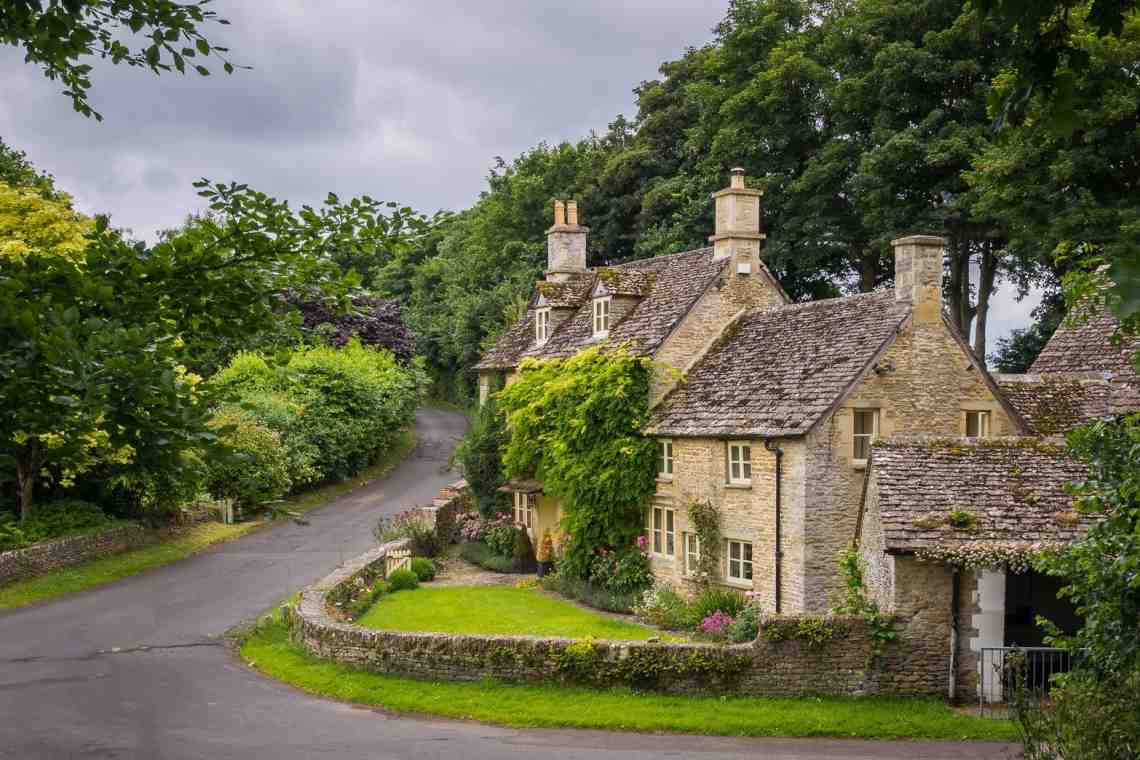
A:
x: 625, y: 572
x: 412, y: 524
x: 364, y: 602
x: 1087, y: 717
x: 402, y: 580
x: 424, y: 569
x: 716, y: 624
x: 478, y: 553
x: 255, y: 471
x: 746, y: 626
x: 479, y: 456
x: 50, y: 520
x: 588, y: 593
x: 500, y: 536
x: 663, y: 607
x: 473, y: 526
x: 712, y: 600
x: 335, y: 408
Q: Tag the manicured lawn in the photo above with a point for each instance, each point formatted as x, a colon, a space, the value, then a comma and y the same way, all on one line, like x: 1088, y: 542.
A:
x: 494, y: 610
x: 108, y: 569
x: 269, y: 650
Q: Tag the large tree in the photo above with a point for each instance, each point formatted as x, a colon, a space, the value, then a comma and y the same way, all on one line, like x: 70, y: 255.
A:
x: 60, y: 36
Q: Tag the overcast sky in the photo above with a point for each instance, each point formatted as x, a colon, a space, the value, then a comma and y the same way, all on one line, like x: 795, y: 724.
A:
x: 405, y: 101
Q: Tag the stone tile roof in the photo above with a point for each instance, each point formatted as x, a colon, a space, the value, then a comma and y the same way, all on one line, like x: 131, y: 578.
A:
x: 522, y: 485
x: 775, y: 373
x: 625, y: 281
x: 1054, y: 404
x: 1012, y: 488
x: 1087, y: 347
x: 506, y: 351
x: 676, y: 282
x: 569, y: 294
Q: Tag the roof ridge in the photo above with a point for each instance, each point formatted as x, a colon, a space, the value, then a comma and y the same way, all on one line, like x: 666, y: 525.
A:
x: 653, y: 258
x: 820, y: 302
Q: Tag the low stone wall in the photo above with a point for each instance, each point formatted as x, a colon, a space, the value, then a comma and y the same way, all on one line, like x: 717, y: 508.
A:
x: 452, y: 501
x: 19, y: 564
x: 791, y: 666
x: 30, y: 561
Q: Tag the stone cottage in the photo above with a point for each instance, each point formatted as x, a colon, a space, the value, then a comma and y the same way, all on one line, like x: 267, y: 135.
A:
x: 946, y: 524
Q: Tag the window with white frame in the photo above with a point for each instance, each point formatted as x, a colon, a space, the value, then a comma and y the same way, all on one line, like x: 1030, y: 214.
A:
x: 542, y: 325
x: 739, y: 568
x: 602, y: 315
x: 662, y: 529
x: 524, y: 509
x: 739, y: 463
x: 866, y: 430
x: 665, y: 460
x: 692, y: 554
x: 977, y: 424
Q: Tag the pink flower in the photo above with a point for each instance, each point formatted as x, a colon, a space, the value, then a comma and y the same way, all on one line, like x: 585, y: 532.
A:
x: 716, y: 623
x: 642, y: 542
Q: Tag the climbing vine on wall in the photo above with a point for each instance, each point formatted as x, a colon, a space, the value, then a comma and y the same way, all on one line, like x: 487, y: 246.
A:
x: 857, y: 602
x: 574, y: 424
x: 705, y: 521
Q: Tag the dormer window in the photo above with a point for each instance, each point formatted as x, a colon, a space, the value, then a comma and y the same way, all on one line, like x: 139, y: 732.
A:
x: 977, y: 424
x: 602, y: 316
x: 542, y: 326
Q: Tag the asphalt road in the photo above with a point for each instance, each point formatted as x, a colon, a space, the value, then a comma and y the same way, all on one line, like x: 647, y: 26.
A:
x: 137, y: 669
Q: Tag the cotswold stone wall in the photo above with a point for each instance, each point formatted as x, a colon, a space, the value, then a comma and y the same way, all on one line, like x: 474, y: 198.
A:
x: 51, y: 555
x: 452, y: 501
x: 792, y: 666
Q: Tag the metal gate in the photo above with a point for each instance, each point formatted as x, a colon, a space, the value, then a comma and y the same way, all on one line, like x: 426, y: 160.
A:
x: 1002, y: 670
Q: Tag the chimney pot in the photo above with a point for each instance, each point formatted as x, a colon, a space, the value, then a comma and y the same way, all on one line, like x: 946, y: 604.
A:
x: 559, y: 213
x: 572, y: 213
x: 737, y: 178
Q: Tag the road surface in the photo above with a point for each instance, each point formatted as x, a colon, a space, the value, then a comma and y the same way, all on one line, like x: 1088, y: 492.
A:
x: 137, y: 669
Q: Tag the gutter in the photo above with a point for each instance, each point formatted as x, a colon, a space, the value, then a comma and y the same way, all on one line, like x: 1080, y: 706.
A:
x: 779, y: 554
x: 955, y: 594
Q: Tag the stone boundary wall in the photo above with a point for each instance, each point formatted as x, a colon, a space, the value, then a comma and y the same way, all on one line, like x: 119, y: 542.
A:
x: 451, y: 501
x: 19, y: 564
x: 791, y: 667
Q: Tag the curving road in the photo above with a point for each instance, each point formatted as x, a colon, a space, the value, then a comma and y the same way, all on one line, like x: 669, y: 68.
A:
x: 137, y: 669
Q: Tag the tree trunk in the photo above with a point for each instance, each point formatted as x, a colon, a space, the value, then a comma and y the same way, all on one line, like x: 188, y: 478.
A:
x: 868, y: 271
x: 986, y: 279
x: 954, y: 286
x: 26, y: 478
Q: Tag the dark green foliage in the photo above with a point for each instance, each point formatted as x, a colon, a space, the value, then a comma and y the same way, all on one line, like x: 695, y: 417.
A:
x: 663, y: 607
x: 254, y: 468
x: 815, y: 632
x: 589, y: 593
x: 501, y: 537
x: 711, y: 599
x: 57, y: 35
x: 575, y: 425
x: 858, y: 603
x: 478, y: 553
x: 364, y: 600
x: 424, y: 569
x: 402, y: 580
x: 623, y: 573
x: 705, y: 519
x: 522, y: 554
x: 51, y: 520
x: 480, y: 456
x: 1088, y: 718
x: 376, y: 322
x: 745, y: 626
x: 1017, y: 351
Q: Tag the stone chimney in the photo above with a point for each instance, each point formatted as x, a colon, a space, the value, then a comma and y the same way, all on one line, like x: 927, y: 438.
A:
x: 738, y: 233
x: 918, y: 274
x: 565, y: 243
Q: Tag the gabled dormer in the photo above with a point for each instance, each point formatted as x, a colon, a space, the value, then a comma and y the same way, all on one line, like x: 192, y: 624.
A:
x: 615, y: 294
x: 557, y: 301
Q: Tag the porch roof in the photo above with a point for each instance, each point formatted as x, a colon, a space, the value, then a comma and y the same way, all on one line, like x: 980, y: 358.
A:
x: 1001, y: 491
x: 522, y: 485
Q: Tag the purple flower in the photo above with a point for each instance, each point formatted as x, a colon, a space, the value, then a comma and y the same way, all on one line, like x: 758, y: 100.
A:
x: 642, y: 542
x: 716, y: 624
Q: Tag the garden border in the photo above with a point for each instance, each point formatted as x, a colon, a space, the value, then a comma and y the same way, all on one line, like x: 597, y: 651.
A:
x: 781, y: 664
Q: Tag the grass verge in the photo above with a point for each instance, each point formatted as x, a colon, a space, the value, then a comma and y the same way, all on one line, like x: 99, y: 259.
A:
x: 269, y: 650
x: 184, y: 543
x: 108, y: 569
x: 494, y: 610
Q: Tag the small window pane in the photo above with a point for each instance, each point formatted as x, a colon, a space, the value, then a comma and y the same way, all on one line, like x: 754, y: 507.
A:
x: 670, y: 549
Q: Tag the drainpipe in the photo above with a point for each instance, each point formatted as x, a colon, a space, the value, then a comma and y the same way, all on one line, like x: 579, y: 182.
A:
x: 779, y: 554
x: 955, y: 595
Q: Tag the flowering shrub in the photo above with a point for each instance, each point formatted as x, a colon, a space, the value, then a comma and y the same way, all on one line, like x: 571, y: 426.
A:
x: 745, y: 627
x: 621, y: 572
x: 716, y: 624
x: 473, y: 526
x: 411, y: 524
x: 1017, y: 556
x: 663, y: 607
x: 500, y: 535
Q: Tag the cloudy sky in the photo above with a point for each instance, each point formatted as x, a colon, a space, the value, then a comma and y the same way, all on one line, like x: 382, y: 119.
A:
x: 405, y: 101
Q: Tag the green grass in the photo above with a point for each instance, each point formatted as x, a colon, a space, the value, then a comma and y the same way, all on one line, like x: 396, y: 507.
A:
x: 107, y: 569
x: 495, y: 610
x: 186, y: 543
x: 269, y: 650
